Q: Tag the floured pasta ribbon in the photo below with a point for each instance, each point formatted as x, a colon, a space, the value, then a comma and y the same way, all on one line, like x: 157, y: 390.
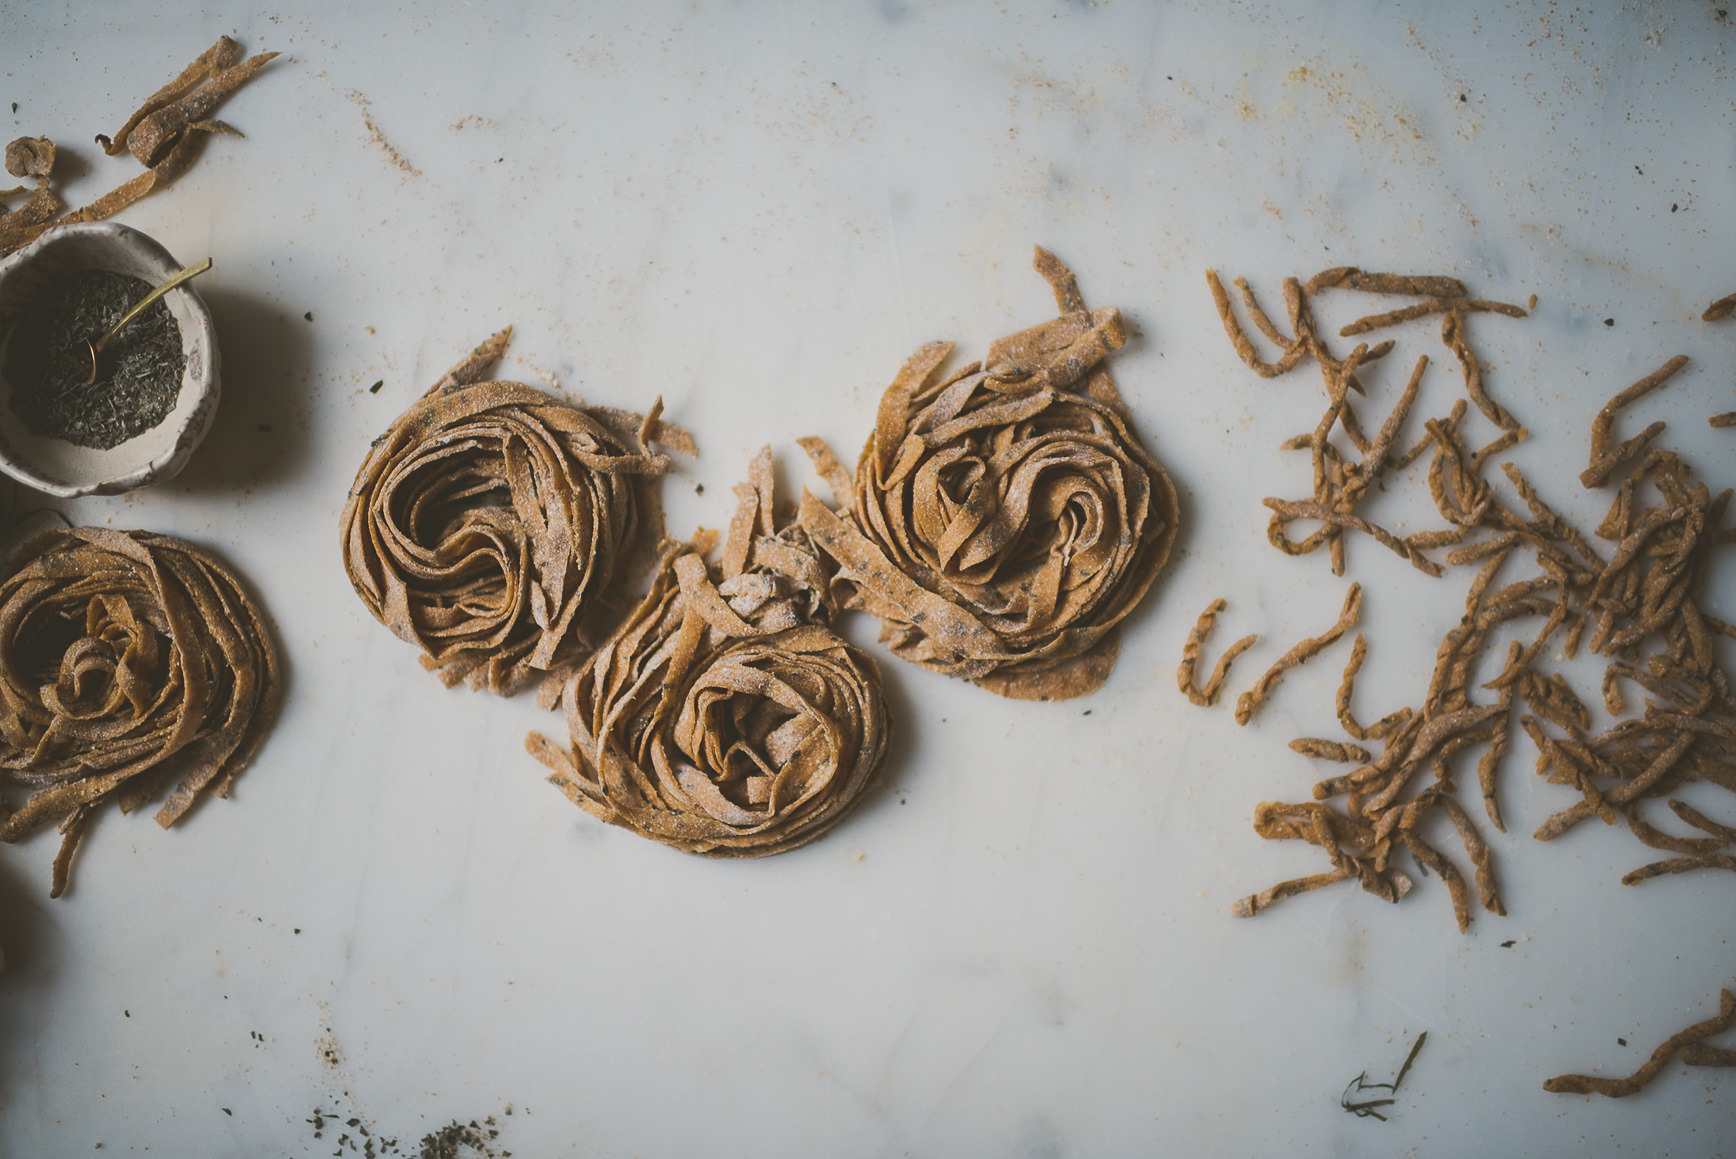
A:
x: 164, y: 135
x: 1006, y: 516
x: 487, y: 524
x: 127, y: 660
x: 724, y: 717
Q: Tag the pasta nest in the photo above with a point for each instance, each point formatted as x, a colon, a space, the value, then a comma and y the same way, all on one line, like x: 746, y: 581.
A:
x: 127, y: 659
x: 724, y: 717
x: 1006, y: 517
x: 488, y: 524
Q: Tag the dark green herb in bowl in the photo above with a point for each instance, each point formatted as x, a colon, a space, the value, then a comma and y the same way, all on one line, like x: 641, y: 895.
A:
x: 67, y: 429
x: 48, y: 362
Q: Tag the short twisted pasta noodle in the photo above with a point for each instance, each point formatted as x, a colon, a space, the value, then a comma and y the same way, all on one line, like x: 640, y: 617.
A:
x: 1006, y: 516
x: 488, y: 523
x: 723, y: 717
x: 127, y: 660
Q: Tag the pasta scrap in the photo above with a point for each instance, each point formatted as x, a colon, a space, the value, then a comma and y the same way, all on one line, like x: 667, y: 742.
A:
x: 32, y: 158
x: 1190, y: 653
x: 1635, y: 601
x: 1300, y: 654
x: 1331, y: 750
x: 1605, y: 460
x: 164, y: 134
x: 1687, y: 1042
x: 1639, y: 607
x: 128, y: 661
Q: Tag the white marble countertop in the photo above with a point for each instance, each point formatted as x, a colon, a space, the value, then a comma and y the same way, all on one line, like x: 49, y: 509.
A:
x: 1019, y: 945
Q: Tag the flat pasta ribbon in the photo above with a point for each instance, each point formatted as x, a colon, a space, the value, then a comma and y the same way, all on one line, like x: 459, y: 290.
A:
x: 165, y: 135
x: 724, y: 717
x: 1006, y: 517
x: 487, y: 525
x: 127, y: 660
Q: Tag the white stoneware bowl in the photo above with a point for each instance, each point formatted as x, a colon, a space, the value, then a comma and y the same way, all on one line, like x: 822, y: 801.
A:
x: 64, y: 469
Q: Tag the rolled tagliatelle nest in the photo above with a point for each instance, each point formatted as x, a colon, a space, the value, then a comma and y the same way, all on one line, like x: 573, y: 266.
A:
x: 1006, y: 516
x: 724, y: 717
x: 489, y: 523
x: 127, y: 660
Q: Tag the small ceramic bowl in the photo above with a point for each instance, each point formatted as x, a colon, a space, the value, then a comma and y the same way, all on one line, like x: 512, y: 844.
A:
x: 65, y: 469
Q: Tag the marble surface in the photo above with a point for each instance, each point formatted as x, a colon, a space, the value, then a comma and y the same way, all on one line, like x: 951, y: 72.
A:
x: 1019, y: 945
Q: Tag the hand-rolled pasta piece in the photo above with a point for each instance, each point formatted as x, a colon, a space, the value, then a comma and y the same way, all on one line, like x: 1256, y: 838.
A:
x: 1190, y: 655
x: 1006, y: 516
x: 487, y: 525
x: 127, y: 660
x: 1684, y: 1041
x: 724, y: 717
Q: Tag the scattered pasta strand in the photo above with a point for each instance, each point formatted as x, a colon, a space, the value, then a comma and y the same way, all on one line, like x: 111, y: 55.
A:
x: 1300, y: 654
x: 1239, y: 339
x: 1679, y: 865
x: 1331, y: 750
x: 1605, y: 459
x: 1700, y: 821
x: 1581, y: 1084
x: 1351, y: 278
x: 224, y: 54
x: 1635, y: 602
x: 1426, y: 308
x: 1254, y: 903
x: 1704, y: 1054
x: 1284, y: 512
x: 1453, y: 334
x: 1184, y: 676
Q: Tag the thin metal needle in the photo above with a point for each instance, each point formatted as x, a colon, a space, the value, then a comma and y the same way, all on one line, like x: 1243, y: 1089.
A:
x: 96, y: 348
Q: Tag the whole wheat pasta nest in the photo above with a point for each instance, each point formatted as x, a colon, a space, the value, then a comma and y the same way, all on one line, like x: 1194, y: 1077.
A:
x: 724, y: 717
x: 1006, y: 517
x: 127, y: 660
x: 487, y: 525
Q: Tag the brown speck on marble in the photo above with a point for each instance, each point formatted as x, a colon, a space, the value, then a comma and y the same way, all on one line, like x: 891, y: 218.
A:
x: 378, y: 138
